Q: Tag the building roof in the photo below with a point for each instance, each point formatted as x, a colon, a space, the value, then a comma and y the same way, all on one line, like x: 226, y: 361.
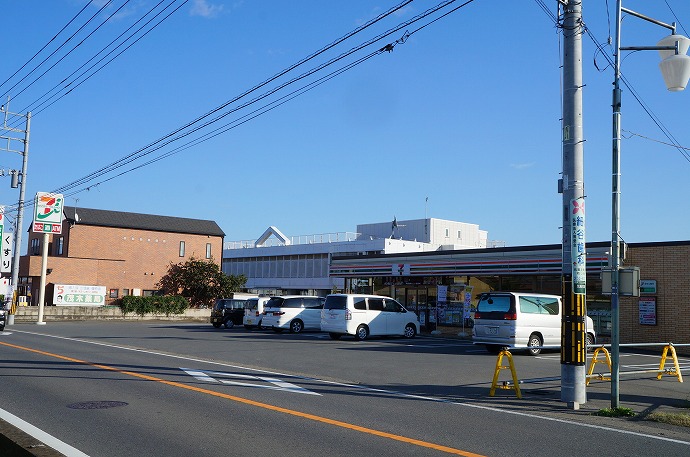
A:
x: 119, y: 219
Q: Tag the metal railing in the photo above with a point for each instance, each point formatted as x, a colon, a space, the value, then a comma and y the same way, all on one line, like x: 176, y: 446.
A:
x: 320, y: 238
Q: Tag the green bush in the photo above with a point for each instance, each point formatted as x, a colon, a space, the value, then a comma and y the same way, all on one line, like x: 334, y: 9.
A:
x: 169, y: 304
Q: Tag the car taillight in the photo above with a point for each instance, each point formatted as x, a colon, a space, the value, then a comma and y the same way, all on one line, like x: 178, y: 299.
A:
x: 278, y: 313
x: 257, y: 313
x: 348, y: 315
x: 477, y: 315
x: 510, y: 317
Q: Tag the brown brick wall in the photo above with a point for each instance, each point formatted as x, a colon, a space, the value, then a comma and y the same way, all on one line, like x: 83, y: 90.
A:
x: 669, y: 265
x: 116, y: 258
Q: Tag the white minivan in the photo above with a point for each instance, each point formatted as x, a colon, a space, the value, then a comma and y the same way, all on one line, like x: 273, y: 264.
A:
x: 293, y: 312
x: 365, y: 315
x: 253, y: 312
x: 521, y: 320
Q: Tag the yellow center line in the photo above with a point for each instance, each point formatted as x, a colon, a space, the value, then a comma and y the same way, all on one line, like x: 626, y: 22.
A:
x: 313, y: 417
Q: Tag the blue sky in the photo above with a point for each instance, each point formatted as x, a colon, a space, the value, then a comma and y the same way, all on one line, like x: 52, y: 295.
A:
x: 465, y: 112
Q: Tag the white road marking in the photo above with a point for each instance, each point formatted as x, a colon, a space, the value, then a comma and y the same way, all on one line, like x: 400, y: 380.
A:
x: 371, y: 389
x: 274, y: 383
x: 40, y: 435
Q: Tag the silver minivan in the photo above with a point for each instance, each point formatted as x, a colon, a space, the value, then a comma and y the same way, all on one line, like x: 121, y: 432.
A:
x: 365, y: 315
x: 521, y: 320
x: 292, y: 312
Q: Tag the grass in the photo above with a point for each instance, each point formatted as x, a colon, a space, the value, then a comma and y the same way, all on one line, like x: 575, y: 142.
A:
x: 679, y: 419
x: 615, y: 412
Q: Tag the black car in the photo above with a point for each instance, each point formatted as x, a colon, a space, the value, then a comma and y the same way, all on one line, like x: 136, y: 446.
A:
x: 227, y: 312
x: 3, y: 319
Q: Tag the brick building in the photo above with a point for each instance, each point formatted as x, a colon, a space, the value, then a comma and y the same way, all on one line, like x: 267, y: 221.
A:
x: 127, y: 253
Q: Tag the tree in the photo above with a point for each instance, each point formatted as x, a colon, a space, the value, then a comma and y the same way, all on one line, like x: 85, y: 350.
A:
x: 200, y: 281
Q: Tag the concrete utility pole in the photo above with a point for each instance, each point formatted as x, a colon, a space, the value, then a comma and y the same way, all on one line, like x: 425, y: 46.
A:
x: 10, y: 140
x: 573, y: 349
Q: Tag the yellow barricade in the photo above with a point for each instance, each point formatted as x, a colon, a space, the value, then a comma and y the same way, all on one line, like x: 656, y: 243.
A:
x: 499, y: 367
x: 675, y: 371
x: 595, y: 360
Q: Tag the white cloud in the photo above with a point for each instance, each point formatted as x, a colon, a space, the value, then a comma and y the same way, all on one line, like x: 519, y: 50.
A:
x: 522, y: 166
x: 205, y: 9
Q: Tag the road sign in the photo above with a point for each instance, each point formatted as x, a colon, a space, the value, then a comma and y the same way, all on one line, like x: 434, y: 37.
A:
x: 48, y: 214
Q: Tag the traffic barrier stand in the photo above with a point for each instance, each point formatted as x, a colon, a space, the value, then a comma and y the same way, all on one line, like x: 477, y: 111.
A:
x: 499, y: 367
x: 595, y: 360
x: 675, y: 371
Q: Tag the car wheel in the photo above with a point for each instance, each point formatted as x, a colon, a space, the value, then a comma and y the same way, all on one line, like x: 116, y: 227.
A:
x: 335, y: 336
x: 534, y: 343
x: 589, y: 341
x: 296, y: 326
x: 216, y: 324
x: 229, y: 323
x: 362, y: 333
x: 410, y: 331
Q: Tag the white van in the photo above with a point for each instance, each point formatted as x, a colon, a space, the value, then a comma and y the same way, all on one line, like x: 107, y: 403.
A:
x: 365, y: 315
x: 253, y: 312
x: 293, y: 312
x: 521, y: 320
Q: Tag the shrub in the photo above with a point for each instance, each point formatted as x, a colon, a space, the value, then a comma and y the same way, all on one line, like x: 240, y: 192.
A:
x: 171, y: 304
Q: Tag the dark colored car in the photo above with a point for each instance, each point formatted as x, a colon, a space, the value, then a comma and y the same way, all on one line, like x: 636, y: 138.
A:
x: 3, y: 319
x: 227, y: 312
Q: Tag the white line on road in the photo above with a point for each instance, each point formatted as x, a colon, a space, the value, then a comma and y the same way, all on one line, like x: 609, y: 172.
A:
x: 40, y: 435
x: 371, y: 389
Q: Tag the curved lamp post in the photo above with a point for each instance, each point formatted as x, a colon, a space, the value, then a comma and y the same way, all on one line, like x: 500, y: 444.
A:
x: 675, y: 68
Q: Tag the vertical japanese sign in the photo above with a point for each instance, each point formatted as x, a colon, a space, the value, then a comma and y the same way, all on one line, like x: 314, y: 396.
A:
x: 577, y: 245
x: 48, y: 215
x: 7, y: 241
x: 2, y: 224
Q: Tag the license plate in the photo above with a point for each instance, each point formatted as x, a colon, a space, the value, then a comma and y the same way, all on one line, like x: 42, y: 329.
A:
x: 493, y: 331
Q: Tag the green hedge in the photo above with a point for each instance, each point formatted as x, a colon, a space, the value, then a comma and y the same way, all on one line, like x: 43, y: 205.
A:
x: 169, y: 304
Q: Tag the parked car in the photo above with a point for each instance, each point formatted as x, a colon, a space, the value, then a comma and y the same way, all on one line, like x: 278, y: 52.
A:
x: 229, y: 312
x: 253, y: 312
x: 366, y: 315
x: 293, y: 312
x: 3, y: 318
x: 521, y: 320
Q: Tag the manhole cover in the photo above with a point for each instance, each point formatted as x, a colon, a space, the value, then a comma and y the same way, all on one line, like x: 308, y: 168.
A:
x: 96, y: 404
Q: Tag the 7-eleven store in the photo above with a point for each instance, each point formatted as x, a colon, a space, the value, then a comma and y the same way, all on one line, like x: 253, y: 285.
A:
x: 420, y: 280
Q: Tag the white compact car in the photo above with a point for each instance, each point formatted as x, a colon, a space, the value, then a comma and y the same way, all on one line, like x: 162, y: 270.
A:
x: 365, y: 315
x: 293, y: 312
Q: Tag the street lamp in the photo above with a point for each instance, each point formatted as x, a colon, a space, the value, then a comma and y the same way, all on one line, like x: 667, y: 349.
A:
x: 675, y: 68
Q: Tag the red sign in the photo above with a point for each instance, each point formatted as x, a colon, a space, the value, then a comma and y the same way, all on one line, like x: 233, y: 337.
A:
x: 41, y: 227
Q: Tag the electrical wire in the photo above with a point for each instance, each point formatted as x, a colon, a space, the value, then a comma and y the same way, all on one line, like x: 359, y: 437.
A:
x: 58, y: 49
x: 46, y: 45
x: 70, y: 189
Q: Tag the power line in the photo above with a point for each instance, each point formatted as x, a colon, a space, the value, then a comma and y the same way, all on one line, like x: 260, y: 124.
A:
x: 58, y: 49
x: 47, y: 44
x: 264, y: 109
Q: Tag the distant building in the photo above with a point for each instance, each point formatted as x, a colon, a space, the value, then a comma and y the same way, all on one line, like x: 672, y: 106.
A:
x: 127, y: 253
x: 277, y: 264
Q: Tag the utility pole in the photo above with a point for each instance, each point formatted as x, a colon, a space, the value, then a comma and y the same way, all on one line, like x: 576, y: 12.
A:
x: 9, y: 138
x: 573, y: 348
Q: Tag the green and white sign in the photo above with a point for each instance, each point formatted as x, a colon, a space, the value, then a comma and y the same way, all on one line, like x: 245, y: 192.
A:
x: 48, y: 214
x: 85, y: 295
x: 577, y: 245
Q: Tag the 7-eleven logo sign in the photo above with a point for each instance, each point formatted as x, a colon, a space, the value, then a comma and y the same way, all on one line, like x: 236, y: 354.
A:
x: 48, y: 214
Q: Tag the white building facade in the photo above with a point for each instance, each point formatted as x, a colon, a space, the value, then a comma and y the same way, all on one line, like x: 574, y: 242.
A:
x: 276, y: 264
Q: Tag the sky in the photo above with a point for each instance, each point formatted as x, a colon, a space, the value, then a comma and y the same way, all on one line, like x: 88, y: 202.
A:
x: 460, y: 120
